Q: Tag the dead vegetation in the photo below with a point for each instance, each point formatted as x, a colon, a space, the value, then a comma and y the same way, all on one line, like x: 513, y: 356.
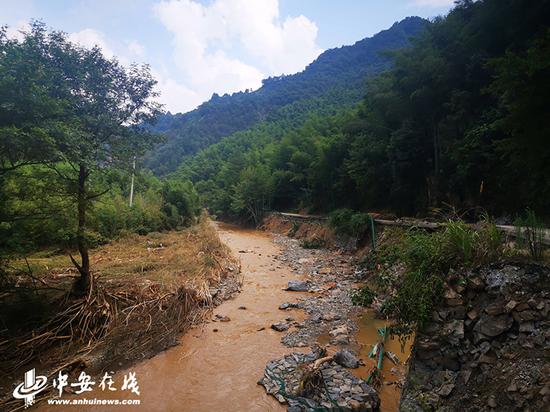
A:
x: 147, y: 290
x: 311, y: 232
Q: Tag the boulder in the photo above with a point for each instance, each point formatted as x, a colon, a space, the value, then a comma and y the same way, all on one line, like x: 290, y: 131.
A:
x: 346, y: 358
x: 280, y: 327
x: 493, y: 325
x: 298, y: 286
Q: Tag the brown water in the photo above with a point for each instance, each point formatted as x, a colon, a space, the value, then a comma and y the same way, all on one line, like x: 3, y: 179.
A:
x: 367, y: 336
x: 218, y: 370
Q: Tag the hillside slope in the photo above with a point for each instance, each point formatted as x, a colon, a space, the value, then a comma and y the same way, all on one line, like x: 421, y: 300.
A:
x: 339, y: 71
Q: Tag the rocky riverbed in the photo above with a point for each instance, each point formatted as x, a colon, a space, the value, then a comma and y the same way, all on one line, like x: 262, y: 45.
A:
x: 488, y: 346
x: 328, y: 276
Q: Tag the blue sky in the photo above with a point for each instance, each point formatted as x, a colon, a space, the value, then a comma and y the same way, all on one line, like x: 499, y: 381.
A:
x: 198, y: 47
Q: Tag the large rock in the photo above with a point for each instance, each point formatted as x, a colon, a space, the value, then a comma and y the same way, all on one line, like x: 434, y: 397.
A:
x: 298, y: 286
x: 280, y: 327
x: 493, y: 325
x: 346, y: 358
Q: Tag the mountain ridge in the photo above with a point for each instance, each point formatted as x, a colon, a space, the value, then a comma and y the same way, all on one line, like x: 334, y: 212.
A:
x: 344, y: 68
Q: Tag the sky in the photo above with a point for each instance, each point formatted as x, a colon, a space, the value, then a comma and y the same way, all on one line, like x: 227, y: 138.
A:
x: 199, y: 47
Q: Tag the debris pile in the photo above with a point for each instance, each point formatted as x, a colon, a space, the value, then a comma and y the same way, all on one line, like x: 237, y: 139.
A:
x: 293, y: 380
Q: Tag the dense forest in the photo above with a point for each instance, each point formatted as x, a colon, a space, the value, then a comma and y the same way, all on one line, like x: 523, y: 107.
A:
x: 335, y: 79
x: 460, y: 118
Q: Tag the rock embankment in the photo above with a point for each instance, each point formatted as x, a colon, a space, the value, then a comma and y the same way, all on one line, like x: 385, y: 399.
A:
x: 487, y: 347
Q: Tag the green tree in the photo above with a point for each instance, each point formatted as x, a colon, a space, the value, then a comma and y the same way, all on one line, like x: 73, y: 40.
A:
x: 99, y: 107
x: 253, y: 192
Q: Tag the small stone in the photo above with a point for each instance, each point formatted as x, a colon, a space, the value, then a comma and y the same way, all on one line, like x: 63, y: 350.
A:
x: 330, y: 316
x: 355, y: 405
x: 521, y: 307
x: 242, y: 307
x: 340, y: 340
x: 492, y: 402
x: 494, y: 309
x: 446, y: 390
x: 510, y: 306
x: 527, y: 327
x: 472, y: 315
x: 214, y: 330
x: 476, y: 283
x: 465, y: 375
x: 512, y: 388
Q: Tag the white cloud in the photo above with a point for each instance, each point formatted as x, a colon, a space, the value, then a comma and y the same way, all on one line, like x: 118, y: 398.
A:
x: 433, y: 3
x: 89, y: 38
x: 206, y: 37
x: 16, y: 31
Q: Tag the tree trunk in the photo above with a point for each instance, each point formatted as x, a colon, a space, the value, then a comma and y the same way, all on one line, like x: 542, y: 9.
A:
x: 83, y: 283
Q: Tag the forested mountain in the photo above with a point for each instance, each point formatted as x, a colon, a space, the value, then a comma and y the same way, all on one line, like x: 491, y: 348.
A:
x: 460, y: 118
x: 336, y: 78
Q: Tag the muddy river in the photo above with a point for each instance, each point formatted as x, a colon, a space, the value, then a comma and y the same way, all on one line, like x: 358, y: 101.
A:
x: 217, y: 365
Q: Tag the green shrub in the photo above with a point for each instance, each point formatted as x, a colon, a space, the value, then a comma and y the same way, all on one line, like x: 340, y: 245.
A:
x: 349, y: 222
x: 363, y: 296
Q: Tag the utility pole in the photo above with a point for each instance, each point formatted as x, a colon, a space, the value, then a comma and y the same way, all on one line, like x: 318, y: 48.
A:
x: 132, y: 184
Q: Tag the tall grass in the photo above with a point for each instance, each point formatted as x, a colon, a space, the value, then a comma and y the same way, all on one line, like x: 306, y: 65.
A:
x: 530, y: 231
